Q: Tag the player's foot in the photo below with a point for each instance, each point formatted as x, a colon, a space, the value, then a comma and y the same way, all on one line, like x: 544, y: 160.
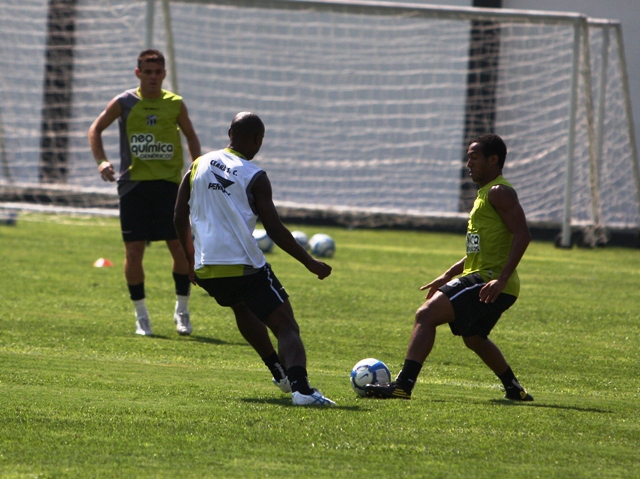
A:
x: 315, y: 399
x: 283, y: 384
x: 516, y: 394
x: 386, y: 391
x: 183, y: 323
x: 143, y: 327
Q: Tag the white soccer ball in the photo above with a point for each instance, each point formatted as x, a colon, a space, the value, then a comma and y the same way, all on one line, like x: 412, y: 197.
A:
x: 322, y: 245
x: 301, y: 238
x: 264, y: 242
x: 369, y: 371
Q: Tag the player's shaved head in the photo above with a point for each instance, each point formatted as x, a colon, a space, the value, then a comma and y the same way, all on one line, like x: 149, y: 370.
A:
x: 246, y: 123
x: 246, y: 133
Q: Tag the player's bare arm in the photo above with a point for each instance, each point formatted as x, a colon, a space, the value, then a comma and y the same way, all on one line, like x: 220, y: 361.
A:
x: 182, y: 224
x: 506, y: 203
x: 455, y: 270
x: 108, y: 116
x: 193, y: 142
x: 278, y: 232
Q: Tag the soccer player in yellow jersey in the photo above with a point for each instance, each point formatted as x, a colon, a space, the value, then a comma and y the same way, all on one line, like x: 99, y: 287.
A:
x: 488, y: 284
x: 151, y: 163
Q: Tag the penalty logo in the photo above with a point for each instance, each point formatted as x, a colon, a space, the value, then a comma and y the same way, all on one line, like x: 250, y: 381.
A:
x: 222, y: 184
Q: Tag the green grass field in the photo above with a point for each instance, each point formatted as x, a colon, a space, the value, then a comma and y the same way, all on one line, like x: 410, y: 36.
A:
x: 81, y: 396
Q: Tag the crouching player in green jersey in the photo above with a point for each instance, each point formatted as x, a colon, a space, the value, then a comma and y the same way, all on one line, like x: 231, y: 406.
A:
x: 497, y: 237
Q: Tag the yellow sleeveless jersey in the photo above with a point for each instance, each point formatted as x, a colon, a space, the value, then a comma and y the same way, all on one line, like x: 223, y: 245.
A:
x: 489, y: 240
x: 150, y: 143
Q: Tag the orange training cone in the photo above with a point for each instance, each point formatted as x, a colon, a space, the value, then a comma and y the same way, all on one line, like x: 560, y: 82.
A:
x: 102, y: 263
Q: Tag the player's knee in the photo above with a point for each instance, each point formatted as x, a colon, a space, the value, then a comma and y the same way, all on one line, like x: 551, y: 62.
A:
x: 290, y: 325
x: 425, y: 315
x: 133, y: 258
x: 473, y: 342
x: 134, y: 251
x: 436, y: 311
x: 280, y: 322
x: 287, y: 333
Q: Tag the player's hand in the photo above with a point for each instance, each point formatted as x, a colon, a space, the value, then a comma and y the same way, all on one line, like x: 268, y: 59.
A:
x: 434, y: 285
x: 322, y: 270
x: 490, y: 291
x: 191, y: 269
x: 107, y: 173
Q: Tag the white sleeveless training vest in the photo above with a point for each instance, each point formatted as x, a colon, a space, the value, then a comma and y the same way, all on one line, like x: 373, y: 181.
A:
x: 222, y: 213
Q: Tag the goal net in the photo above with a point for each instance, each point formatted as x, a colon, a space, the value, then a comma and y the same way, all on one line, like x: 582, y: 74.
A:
x: 368, y: 107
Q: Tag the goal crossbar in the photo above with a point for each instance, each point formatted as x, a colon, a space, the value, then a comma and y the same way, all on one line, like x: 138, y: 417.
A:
x: 400, y: 8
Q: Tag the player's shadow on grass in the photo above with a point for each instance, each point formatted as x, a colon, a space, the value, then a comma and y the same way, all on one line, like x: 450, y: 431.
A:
x: 286, y: 401
x: 507, y: 402
x: 206, y: 340
x: 199, y: 339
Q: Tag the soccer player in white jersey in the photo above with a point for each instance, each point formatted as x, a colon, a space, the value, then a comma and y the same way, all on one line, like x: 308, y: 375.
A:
x: 219, y: 202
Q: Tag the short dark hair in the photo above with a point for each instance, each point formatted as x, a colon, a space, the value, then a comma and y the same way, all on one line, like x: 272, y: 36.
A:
x: 150, y: 56
x: 246, y: 123
x: 491, y: 144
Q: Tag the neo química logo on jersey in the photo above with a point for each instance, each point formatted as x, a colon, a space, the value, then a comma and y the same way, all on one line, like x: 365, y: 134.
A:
x: 145, y: 147
x: 473, y: 243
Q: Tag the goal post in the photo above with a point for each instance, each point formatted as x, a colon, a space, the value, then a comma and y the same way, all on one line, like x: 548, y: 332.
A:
x: 628, y: 113
x: 364, y: 102
x: 613, y: 125
x: 170, y: 56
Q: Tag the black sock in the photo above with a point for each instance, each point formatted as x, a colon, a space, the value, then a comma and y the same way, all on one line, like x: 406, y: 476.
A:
x: 298, y: 379
x: 275, y: 366
x: 136, y: 291
x: 509, y: 380
x: 407, y: 377
x: 183, y: 285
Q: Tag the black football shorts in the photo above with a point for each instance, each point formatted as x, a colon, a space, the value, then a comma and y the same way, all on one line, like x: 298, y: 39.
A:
x: 472, y: 316
x: 261, y: 292
x: 146, y: 212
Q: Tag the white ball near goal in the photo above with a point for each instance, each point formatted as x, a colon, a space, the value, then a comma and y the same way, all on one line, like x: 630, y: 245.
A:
x: 322, y: 245
x: 264, y: 242
x: 369, y: 371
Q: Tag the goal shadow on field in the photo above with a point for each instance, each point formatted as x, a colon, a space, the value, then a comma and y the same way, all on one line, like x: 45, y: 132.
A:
x: 507, y: 402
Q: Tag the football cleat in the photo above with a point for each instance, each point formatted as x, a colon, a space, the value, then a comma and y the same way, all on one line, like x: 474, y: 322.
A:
x: 386, y: 391
x: 183, y: 323
x: 315, y: 399
x: 143, y: 327
x: 515, y: 394
x: 283, y: 384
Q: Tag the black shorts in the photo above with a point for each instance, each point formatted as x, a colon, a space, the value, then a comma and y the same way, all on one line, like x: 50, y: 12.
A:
x: 261, y: 292
x: 146, y: 212
x: 472, y: 316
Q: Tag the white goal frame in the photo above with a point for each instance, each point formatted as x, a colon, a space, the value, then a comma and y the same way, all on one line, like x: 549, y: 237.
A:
x: 595, y: 233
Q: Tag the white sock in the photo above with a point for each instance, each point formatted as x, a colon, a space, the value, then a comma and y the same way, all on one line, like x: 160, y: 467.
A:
x: 141, y: 308
x: 182, y: 304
